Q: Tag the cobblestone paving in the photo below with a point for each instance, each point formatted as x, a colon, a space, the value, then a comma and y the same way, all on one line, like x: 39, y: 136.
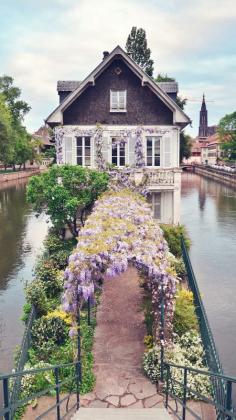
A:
x: 118, y: 348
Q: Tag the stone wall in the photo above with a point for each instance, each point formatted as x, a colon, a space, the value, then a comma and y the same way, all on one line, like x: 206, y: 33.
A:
x: 226, y: 177
x: 14, y: 176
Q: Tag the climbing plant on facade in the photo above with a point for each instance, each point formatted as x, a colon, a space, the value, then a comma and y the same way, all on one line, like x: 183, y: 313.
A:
x: 121, y: 230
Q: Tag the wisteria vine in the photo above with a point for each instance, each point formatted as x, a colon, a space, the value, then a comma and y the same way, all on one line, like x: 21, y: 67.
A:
x: 120, y: 231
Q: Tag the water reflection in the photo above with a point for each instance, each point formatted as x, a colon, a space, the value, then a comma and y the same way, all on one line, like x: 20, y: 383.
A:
x: 21, y: 237
x: 209, y: 212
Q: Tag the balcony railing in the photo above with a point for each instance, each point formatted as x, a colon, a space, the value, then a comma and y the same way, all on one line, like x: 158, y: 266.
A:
x: 148, y: 176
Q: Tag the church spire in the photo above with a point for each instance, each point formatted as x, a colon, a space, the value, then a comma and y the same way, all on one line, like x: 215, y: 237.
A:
x: 203, y: 123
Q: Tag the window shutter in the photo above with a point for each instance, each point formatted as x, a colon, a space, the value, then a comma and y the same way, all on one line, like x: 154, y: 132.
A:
x: 167, y: 161
x: 114, y: 99
x: 68, y: 147
x: 131, y: 147
x: 122, y: 97
x: 105, y: 147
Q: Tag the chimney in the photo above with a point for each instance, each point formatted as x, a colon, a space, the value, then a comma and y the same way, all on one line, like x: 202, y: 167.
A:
x: 105, y: 54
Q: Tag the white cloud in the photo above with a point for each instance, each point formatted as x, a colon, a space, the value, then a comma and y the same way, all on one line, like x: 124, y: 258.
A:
x: 180, y: 34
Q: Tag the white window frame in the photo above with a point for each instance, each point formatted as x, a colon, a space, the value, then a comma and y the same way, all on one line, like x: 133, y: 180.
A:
x: 118, y: 153
x: 83, y: 151
x: 154, y: 138
x: 118, y: 92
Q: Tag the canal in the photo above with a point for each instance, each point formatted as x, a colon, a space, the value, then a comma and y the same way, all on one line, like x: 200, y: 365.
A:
x: 21, y: 241
x: 208, y: 209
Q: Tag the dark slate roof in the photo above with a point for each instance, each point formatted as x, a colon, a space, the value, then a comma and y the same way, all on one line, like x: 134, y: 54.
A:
x: 67, y: 85
x: 169, y: 87
x: 70, y: 85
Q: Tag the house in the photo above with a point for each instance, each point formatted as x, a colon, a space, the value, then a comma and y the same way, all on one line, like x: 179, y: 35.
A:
x: 119, y: 114
x: 211, y: 151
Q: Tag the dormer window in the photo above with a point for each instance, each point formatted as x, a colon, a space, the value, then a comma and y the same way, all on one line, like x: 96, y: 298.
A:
x: 118, y: 100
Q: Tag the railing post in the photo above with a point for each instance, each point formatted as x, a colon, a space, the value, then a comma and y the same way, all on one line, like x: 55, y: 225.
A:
x: 77, y: 384
x: 79, y: 341
x: 167, y: 385
x: 57, y: 392
x: 162, y: 333
x: 229, y: 397
x: 185, y: 393
x: 89, y: 310
x: 6, y: 397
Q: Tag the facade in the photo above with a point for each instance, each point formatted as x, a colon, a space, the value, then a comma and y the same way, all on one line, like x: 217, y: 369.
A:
x: 119, y: 116
x: 211, y: 151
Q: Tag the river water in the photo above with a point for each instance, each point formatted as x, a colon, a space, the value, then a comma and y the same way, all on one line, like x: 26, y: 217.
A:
x: 21, y: 241
x: 208, y: 209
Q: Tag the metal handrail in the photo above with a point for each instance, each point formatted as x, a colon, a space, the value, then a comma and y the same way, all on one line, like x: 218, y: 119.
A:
x: 221, y: 384
x: 224, y: 409
x: 10, y: 406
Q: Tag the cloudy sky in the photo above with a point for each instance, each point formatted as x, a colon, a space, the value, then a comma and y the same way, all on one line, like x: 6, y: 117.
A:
x: 47, y: 40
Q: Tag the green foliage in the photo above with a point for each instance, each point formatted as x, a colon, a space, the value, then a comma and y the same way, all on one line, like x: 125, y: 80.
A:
x: 185, y: 145
x: 227, y: 134
x: 173, y: 236
x: 11, y: 93
x: 6, y: 148
x: 163, y: 78
x: 185, y: 318
x: 178, y: 265
x: 136, y: 46
x: 36, y: 295
x: 47, y: 333
x: 26, y: 311
x: 64, y: 191
x: 50, y: 276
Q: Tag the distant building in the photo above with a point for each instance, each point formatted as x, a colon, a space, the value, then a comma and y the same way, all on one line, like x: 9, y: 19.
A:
x: 204, y: 130
x: 211, y: 151
x: 44, y: 136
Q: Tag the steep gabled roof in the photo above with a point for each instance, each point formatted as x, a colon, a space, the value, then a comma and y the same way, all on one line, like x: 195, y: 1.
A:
x: 180, y: 117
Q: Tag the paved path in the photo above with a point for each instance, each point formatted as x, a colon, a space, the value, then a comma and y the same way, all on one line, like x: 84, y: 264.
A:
x: 118, y: 348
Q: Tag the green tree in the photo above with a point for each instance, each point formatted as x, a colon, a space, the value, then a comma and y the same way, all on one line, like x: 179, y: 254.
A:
x: 65, y: 193
x: 12, y: 95
x: 136, y: 46
x: 6, y: 144
x: 227, y: 134
x: 185, y: 145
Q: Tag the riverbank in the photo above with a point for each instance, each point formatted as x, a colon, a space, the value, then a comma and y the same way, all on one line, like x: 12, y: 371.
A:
x: 18, y: 175
x: 218, y: 175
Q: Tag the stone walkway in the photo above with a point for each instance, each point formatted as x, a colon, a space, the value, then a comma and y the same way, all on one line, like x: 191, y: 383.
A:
x: 118, y: 348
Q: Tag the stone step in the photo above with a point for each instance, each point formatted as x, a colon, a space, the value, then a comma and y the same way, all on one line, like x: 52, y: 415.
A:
x: 121, y: 414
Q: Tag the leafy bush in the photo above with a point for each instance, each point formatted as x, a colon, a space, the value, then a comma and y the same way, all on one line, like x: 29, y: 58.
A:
x: 36, y: 295
x: 173, y: 236
x: 47, y: 333
x: 185, y: 318
x: 50, y: 276
x: 26, y: 311
x: 59, y: 250
x: 186, y: 351
x: 178, y: 265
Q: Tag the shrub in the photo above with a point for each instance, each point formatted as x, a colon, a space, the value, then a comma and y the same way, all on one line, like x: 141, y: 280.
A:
x: 58, y: 250
x: 178, y: 265
x: 185, y: 318
x: 26, y: 311
x: 186, y: 351
x: 50, y: 276
x: 36, y: 295
x: 173, y: 236
x: 47, y: 333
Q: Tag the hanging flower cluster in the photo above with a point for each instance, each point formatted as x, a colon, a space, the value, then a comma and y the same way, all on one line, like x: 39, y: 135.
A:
x: 121, y: 230
x: 138, y: 149
x: 99, y: 159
